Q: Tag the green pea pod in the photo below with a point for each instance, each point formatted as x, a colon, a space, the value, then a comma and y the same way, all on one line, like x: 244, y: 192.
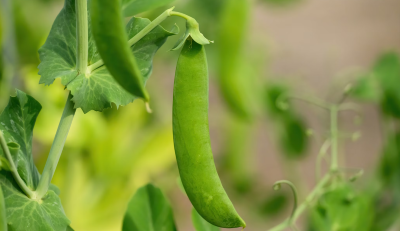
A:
x: 3, y: 221
x: 234, y: 82
x: 192, y: 140
x: 112, y: 43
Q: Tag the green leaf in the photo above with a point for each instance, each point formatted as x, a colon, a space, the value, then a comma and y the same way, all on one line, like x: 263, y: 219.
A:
x: 149, y: 210
x: 44, y: 215
x: 200, y: 224
x: 389, y: 168
x: 112, y: 43
x: 134, y: 7
x: 387, y: 71
x: 293, y: 139
x: 98, y: 89
x: 3, y: 221
x: 17, y: 122
x: 342, y: 209
x: 367, y: 88
x: 273, y: 204
x: 273, y: 94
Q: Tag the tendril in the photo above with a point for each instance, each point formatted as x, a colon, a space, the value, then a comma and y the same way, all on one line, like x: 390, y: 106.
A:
x: 278, y: 186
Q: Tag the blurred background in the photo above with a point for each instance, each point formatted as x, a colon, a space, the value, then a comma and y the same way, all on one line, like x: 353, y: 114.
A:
x: 327, y: 49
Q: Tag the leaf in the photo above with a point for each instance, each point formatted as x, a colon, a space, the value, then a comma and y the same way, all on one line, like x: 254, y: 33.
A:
x: 342, y: 209
x: 134, y: 7
x: 387, y: 71
x: 200, y: 224
x: 98, y: 89
x: 367, y: 88
x: 17, y: 122
x: 112, y: 43
x: 149, y: 210
x: 389, y: 168
x: 273, y: 204
x: 3, y: 221
x: 293, y: 139
x: 273, y: 96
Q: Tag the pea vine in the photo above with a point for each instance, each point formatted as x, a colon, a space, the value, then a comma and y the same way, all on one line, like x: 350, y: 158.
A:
x: 334, y: 175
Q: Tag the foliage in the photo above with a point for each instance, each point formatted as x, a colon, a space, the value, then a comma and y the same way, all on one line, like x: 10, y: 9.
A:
x: 149, y: 210
x: 17, y: 122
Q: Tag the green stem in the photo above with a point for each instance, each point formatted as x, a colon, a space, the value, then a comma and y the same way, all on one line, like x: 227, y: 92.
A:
x: 321, y: 154
x: 334, y: 137
x: 56, y: 148
x: 138, y: 36
x: 69, y: 110
x: 13, y: 168
x: 8, y: 51
x: 311, y: 100
x: 81, y: 36
x: 185, y: 16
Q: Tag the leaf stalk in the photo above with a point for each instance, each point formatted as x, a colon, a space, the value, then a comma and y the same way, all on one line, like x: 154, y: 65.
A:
x: 21, y: 183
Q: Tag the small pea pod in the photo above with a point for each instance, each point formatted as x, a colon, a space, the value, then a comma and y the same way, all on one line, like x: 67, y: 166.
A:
x: 112, y: 44
x: 192, y: 140
x: 234, y: 80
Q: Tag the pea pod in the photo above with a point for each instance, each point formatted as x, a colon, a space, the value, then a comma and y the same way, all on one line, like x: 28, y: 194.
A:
x: 234, y: 80
x: 192, y: 140
x: 112, y: 44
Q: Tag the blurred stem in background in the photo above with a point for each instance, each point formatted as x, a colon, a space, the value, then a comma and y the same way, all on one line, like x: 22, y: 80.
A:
x: 9, y: 54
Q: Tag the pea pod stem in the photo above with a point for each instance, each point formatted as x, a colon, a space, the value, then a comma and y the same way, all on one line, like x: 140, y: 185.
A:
x: 13, y: 168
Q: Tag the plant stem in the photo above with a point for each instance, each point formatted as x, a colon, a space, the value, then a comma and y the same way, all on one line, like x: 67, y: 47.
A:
x: 69, y: 110
x: 334, y: 137
x: 321, y: 154
x: 185, y: 16
x: 138, y: 36
x: 56, y: 148
x: 8, y: 52
x: 81, y: 36
x: 13, y: 168
x: 308, y: 99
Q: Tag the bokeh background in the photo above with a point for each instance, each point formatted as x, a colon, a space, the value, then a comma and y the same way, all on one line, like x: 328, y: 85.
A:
x: 317, y: 47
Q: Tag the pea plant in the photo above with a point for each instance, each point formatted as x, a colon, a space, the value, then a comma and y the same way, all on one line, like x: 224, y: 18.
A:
x: 103, y: 61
